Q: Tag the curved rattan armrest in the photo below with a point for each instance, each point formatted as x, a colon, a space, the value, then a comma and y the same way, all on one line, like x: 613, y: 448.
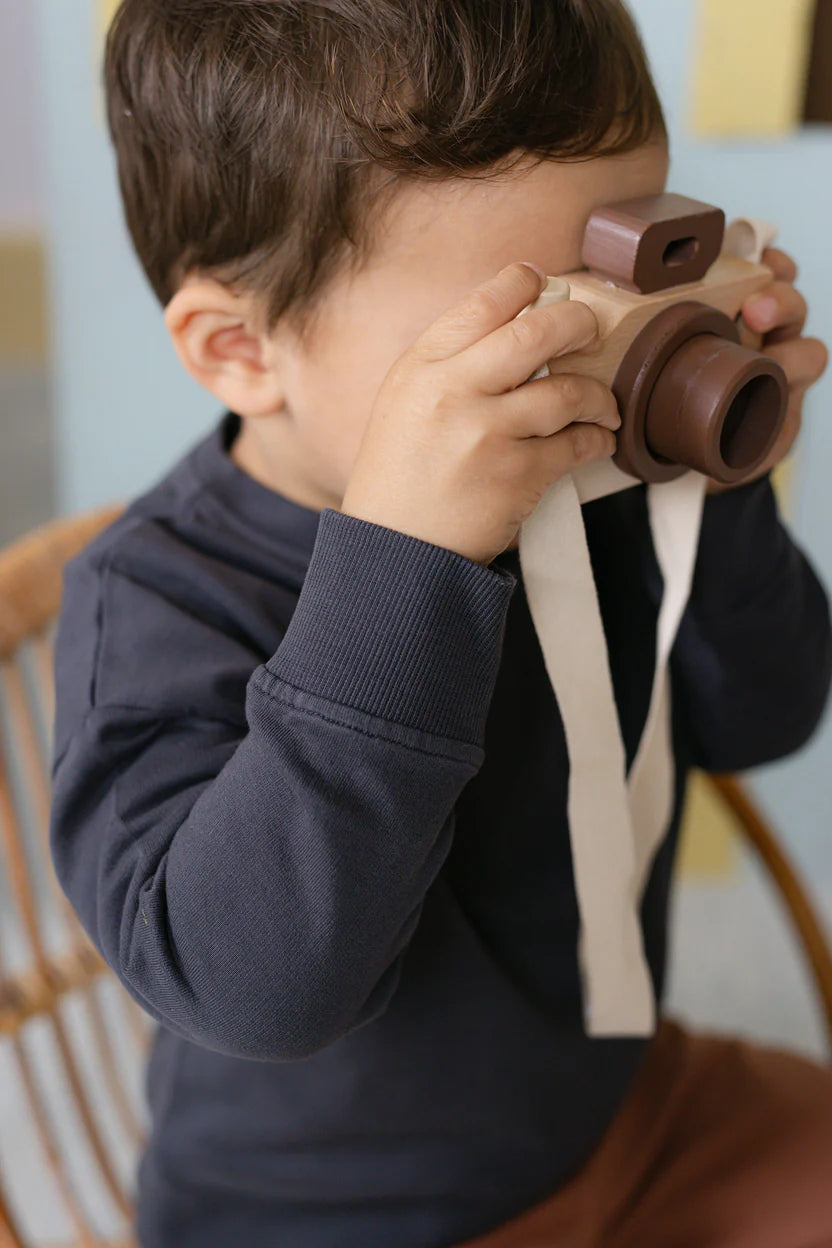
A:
x: 31, y: 573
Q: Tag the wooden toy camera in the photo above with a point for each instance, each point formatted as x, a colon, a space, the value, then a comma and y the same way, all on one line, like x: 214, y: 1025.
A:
x: 667, y: 298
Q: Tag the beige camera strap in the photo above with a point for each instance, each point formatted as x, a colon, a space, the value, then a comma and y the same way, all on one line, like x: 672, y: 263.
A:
x: 616, y: 824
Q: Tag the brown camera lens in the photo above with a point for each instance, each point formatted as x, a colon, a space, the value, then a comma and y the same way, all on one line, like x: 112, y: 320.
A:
x: 751, y: 424
x: 717, y: 407
x: 691, y: 396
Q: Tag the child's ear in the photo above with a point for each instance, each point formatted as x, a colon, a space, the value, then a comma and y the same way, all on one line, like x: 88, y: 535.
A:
x: 220, y: 342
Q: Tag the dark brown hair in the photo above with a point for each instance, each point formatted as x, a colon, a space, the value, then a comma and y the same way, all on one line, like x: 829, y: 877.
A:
x: 256, y: 138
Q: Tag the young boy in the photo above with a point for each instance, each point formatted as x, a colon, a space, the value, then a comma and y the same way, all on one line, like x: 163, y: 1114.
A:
x: 310, y: 776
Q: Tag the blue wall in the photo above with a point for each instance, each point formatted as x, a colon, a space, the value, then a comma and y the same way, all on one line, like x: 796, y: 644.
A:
x: 125, y: 408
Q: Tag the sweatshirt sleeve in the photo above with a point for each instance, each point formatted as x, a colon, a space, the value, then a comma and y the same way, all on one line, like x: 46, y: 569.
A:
x: 752, y: 662
x: 254, y: 878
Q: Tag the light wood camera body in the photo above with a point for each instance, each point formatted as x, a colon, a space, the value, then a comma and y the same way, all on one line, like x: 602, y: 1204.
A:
x: 622, y: 315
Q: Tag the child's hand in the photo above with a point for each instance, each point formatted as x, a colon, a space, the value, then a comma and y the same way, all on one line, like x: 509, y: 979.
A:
x: 458, y: 451
x: 779, y: 313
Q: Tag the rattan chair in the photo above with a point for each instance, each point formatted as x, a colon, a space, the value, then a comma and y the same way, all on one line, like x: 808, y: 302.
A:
x: 52, y: 975
x: 55, y: 1002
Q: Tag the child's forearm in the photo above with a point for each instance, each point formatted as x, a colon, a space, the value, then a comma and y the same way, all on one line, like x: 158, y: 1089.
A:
x: 753, y: 659
x: 256, y: 891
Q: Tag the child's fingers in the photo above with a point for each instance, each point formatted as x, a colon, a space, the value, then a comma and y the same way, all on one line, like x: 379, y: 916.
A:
x: 543, y: 407
x: 803, y: 360
x: 511, y: 354
x: 484, y: 309
x: 780, y: 263
x: 540, y: 461
x: 779, y: 307
x: 577, y: 444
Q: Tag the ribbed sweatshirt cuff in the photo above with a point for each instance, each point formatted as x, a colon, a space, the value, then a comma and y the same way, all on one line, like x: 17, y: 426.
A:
x: 398, y: 628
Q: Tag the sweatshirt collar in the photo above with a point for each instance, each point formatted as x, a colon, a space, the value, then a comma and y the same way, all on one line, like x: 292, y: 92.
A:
x: 259, y: 508
x: 263, y: 511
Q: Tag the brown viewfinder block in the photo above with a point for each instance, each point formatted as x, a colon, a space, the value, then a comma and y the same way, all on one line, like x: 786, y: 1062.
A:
x: 655, y: 243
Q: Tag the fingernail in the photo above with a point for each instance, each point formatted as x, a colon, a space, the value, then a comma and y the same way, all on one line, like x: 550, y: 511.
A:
x: 536, y: 268
x: 765, y: 310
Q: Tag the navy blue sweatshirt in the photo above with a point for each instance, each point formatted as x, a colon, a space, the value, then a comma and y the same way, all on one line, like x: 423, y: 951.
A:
x: 310, y: 788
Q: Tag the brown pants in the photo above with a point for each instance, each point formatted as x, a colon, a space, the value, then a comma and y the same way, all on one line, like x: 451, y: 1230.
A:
x: 719, y: 1144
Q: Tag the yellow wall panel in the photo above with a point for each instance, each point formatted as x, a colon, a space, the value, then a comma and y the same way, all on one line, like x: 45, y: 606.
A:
x: 709, y: 844
x: 752, y: 63
x: 106, y: 9
x: 23, y: 318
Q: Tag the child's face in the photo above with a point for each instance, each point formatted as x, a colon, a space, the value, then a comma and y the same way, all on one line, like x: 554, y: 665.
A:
x: 438, y: 242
